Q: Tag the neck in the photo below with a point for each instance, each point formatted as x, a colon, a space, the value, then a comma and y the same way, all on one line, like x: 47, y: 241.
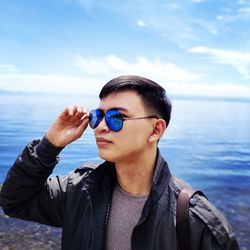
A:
x: 135, y: 176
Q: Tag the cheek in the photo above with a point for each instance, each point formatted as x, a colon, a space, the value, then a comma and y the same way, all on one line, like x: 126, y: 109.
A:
x: 132, y: 137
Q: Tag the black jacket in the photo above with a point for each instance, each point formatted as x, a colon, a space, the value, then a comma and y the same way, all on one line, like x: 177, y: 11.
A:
x: 80, y: 204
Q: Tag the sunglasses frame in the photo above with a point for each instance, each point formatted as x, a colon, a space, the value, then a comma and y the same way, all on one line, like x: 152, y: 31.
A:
x: 108, y: 119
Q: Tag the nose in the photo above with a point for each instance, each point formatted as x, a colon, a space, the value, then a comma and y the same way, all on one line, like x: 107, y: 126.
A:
x: 102, y: 127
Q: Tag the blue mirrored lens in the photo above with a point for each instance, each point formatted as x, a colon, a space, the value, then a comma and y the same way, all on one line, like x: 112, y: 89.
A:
x: 114, y: 120
x: 95, y: 117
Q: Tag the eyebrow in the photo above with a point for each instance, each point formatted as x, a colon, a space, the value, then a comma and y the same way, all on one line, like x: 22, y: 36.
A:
x: 121, y: 109
x: 118, y: 108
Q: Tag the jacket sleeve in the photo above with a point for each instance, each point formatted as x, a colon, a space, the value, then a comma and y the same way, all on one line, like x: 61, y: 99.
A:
x: 28, y: 192
x: 211, y: 227
x: 208, y: 242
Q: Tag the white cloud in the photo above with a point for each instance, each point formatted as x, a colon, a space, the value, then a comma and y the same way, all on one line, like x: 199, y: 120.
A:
x: 92, y: 86
x: 240, y: 13
x: 49, y: 83
x: 154, y: 69
x: 244, y: 11
x: 220, y: 17
x: 7, y: 68
x: 242, y: 2
x: 198, y: 1
x: 239, y: 60
x: 212, y: 90
x: 206, y: 26
x: 141, y: 23
x: 173, y: 6
x: 95, y: 72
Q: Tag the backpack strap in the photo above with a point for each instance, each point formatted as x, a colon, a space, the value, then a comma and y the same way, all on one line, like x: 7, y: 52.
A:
x: 182, y: 217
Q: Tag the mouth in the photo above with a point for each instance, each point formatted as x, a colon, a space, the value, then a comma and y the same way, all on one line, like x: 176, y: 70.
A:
x: 102, y: 141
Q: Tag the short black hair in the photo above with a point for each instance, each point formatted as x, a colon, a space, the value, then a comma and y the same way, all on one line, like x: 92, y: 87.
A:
x: 151, y: 93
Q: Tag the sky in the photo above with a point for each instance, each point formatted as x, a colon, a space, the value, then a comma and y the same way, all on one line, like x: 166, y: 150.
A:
x: 190, y: 47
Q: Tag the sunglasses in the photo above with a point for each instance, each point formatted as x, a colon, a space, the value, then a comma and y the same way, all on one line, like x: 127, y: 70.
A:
x: 113, y: 118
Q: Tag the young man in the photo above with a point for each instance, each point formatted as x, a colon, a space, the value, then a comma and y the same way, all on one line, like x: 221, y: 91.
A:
x: 129, y: 201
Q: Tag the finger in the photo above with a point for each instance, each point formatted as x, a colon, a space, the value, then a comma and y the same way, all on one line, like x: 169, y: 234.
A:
x: 77, y: 113
x: 79, y: 110
x: 66, y: 112
x: 85, y: 117
x: 81, y: 128
x: 73, y: 112
x: 85, y: 111
x: 70, y: 110
x: 82, y: 112
x: 75, y: 109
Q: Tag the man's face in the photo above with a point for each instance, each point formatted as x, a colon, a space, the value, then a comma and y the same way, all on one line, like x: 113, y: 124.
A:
x: 131, y: 141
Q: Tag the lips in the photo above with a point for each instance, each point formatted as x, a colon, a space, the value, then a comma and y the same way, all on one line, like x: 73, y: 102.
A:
x: 102, y: 140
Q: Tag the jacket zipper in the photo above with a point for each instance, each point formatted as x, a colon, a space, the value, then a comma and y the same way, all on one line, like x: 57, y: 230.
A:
x: 107, y: 214
x: 106, y: 220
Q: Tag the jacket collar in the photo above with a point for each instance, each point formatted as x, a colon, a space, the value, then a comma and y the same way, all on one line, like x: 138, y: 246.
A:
x: 101, y: 182
x: 103, y: 179
x: 104, y: 176
x: 161, y: 170
x: 161, y: 180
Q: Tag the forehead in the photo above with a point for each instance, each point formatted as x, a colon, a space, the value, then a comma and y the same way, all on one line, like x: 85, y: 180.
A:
x: 126, y: 99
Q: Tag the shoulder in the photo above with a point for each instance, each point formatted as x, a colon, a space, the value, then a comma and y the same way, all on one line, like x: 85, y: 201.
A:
x: 214, y: 220
x: 94, y: 174
x: 203, y: 214
x: 77, y: 177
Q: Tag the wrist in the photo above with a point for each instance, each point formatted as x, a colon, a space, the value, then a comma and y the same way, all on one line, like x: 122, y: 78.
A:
x: 47, y: 149
x: 53, y: 141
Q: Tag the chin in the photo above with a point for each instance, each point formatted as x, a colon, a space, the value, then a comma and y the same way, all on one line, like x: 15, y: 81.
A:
x: 111, y: 155
x: 106, y: 156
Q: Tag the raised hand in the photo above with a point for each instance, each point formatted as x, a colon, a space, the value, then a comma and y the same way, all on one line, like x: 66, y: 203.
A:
x: 69, y: 126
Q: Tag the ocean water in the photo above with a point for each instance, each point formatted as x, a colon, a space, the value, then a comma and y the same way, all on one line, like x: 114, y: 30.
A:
x: 207, y: 144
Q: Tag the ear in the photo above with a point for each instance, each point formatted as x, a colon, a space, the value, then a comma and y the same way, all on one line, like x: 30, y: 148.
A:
x: 159, y: 128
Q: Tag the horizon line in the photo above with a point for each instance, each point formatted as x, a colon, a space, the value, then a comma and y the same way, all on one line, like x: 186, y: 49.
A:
x: 190, y: 97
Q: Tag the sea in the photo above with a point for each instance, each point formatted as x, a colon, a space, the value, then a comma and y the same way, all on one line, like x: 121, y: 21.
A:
x: 207, y: 144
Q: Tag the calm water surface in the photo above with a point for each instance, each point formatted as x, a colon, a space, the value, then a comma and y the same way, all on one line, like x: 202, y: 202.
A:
x: 207, y: 144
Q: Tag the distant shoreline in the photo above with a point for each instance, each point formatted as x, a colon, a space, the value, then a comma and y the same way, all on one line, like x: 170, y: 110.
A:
x: 172, y: 96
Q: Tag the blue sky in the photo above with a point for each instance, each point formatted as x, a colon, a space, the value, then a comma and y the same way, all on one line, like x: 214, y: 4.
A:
x: 191, y: 47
